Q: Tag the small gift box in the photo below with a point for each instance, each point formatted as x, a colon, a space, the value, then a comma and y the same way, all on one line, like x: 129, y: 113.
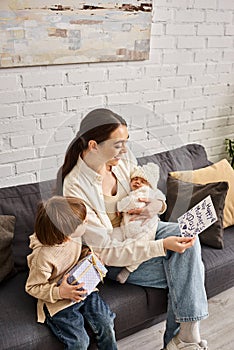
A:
x: 89, y: 270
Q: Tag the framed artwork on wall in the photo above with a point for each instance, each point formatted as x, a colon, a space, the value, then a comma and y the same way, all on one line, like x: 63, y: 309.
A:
x: 39, y: 32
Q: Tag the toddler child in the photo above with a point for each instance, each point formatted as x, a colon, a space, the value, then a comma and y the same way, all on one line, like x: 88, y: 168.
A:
x: 56, y: 248
x: 143, y: 185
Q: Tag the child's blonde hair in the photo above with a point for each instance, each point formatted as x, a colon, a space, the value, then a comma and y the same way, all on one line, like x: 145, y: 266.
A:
x: 57, y: 218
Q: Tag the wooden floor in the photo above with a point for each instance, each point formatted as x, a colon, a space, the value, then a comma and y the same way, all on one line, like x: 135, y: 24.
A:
x: 217, y: 329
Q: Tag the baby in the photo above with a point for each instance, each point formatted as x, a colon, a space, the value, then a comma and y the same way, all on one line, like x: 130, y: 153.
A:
x: 143, y: 185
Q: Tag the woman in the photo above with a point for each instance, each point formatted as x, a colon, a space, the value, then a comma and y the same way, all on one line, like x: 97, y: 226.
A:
x: 97, y: 168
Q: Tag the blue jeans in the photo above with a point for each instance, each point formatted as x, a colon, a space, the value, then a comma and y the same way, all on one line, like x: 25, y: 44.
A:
x: 182, y: 274
x: 68, y: 324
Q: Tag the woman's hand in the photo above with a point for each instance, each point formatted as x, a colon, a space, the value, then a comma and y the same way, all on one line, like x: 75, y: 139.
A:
x: 178, y: 244
x: 151, y: 208
x: 72, y: 292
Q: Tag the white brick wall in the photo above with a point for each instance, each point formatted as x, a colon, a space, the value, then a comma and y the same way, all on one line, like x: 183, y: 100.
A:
x: 184, y: 93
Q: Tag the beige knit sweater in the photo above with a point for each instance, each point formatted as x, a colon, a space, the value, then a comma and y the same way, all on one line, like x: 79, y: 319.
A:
x: 47, y: 265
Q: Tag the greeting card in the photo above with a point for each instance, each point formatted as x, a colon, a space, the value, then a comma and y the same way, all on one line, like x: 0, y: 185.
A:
x: 198, y: 218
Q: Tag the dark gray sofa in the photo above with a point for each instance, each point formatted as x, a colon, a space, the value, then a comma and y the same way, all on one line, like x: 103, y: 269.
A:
x: 136, y: 307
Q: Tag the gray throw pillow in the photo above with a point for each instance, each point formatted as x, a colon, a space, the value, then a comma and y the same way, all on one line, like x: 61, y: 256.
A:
x: 7, y: 225
x: 182, y: 196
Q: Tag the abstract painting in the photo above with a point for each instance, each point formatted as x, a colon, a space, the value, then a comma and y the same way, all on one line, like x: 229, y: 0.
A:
x: 39, y: 32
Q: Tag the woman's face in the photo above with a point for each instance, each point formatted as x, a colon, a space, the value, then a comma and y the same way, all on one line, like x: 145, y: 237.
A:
x: 112, y: 149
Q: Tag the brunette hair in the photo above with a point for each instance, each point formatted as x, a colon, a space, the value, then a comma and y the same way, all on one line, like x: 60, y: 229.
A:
x: 57, y: 218
x: 97, y: 125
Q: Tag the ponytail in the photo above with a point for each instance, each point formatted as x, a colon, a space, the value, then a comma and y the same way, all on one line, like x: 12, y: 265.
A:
x: 74, y: 150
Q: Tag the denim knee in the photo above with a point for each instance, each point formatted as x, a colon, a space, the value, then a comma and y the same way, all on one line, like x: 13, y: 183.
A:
x: 78, y: 343
x: 68, y: 326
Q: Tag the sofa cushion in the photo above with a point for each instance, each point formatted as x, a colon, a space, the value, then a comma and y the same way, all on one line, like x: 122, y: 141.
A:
x: 7, y: 225
x: 18, y: 320
x: 219, y: 264
x: 135, y: 307
x: 220, y: 171
x: 192, y: 156
x: 21, y: 202
x: 182, y: 196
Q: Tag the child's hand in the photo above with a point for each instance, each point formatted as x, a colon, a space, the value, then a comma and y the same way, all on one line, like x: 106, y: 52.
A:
x: 73, y: 292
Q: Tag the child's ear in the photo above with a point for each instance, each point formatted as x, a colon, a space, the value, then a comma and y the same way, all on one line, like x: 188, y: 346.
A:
x: 92, y: 145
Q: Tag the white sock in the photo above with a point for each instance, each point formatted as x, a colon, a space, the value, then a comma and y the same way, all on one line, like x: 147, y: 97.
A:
x: 190, y: 332
x: 123, y: 275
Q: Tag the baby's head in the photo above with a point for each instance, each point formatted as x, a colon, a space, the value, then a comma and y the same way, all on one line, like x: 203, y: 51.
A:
x: 137, y: 182
x: 145, y: 175
x: 58, y: 218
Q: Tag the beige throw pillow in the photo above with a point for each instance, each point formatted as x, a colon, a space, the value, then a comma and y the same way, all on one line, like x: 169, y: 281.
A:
x: 220, y: 171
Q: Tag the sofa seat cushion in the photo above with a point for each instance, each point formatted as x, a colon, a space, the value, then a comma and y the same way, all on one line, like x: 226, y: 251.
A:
x: 219, y: 265
x: 134, y: 306
x: 18, y: 321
